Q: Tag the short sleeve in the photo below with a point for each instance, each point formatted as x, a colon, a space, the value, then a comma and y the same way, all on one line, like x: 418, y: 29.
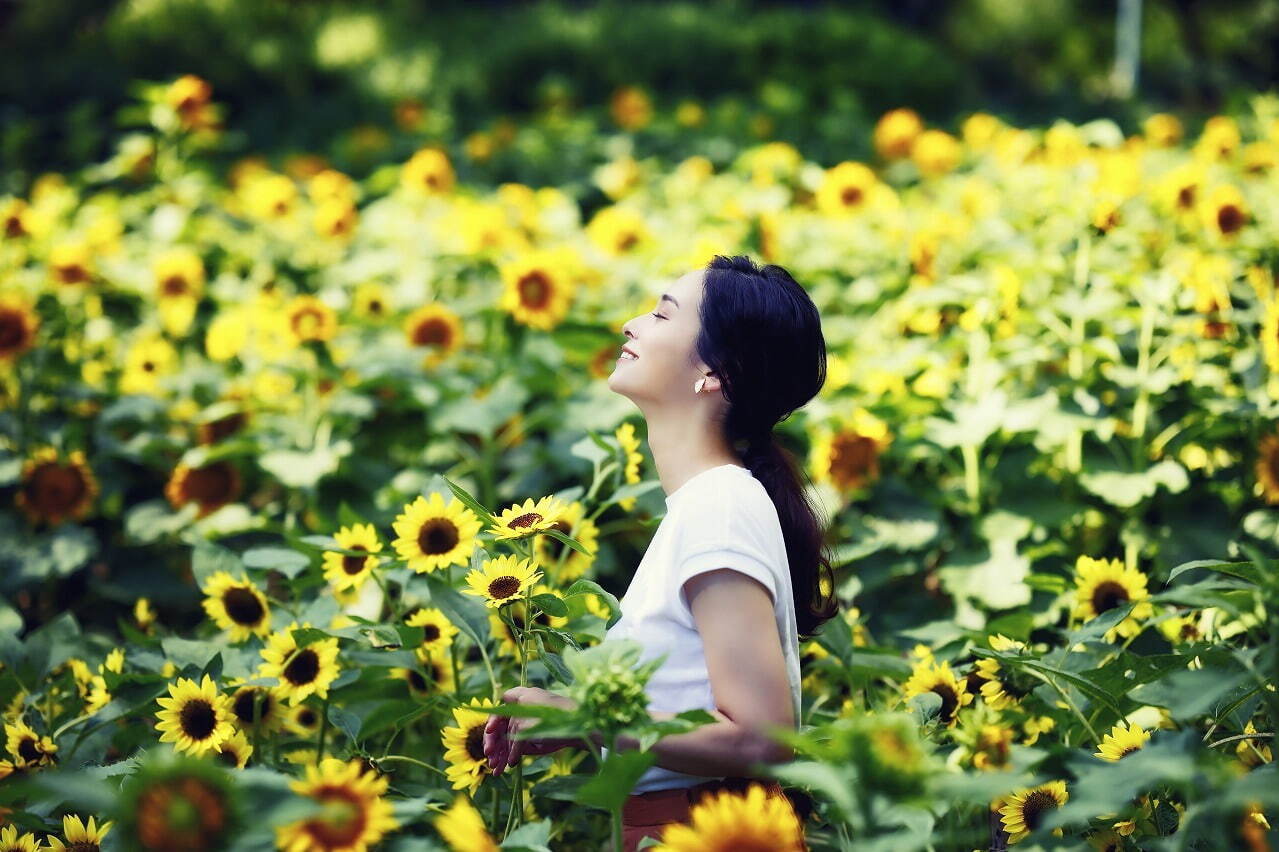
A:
x: 735, y: 558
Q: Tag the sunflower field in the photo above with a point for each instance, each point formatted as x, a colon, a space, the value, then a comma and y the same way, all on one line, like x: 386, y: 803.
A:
x: 303, y: 470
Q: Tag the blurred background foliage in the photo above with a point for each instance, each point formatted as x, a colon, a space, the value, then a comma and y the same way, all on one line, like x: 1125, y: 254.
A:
x: 305, y: 76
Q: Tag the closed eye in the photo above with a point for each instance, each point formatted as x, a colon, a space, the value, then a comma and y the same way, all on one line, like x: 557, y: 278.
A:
x: 659, y: 316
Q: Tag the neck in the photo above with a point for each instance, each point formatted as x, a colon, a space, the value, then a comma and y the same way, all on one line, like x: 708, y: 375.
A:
x: 685, y: 443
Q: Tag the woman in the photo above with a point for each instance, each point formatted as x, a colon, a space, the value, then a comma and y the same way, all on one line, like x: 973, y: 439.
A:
x: 737, y: 571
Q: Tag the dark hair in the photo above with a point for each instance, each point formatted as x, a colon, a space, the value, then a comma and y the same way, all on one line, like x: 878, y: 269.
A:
x: 762, y: 336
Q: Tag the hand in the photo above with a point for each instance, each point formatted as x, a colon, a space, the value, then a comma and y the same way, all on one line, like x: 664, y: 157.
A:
x: 501, y: 749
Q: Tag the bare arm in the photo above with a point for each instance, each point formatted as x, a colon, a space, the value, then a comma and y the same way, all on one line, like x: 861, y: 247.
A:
x: 734, y: 616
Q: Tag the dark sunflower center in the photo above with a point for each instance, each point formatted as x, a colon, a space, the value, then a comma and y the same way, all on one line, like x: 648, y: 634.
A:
x: 430, y: 632
x: 851, y: 195
x: 29, y: 750
x: 198, y: 719
x: 303, y: 668
x: 175, y: 285
x: 949, y: 701
x: 306, y: 717
x: 535, y: 290
x: 1107, y: 596
x: 432, y: 332
x: 418, y: 681
x: 503, y: 588
x: 525, y: 520
x: 1036, y: 805
x: 627, y: 241
x: 181, y: 814
x: 244, y: 705
x: 82, y: 846
x: 228, y: 757
x: 437, y: 536
x: 12, y: 330
x: 852, y: 457
x: 342, y: 821
x: 1229, y: 218
x: 475, y: 743
x: 1186, y: 197
x: 353, y: 565
x: 242, y: 606
x: 214, y: 483
x: 55, y: 488
x: 1128, y: 751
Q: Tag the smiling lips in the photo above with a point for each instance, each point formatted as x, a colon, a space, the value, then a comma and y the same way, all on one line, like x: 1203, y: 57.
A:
x: 627, y: 355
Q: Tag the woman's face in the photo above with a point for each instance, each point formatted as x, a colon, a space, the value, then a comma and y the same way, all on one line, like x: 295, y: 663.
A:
x: 663, y: 339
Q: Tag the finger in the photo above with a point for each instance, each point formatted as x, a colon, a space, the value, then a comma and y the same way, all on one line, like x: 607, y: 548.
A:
x: 495, y: 743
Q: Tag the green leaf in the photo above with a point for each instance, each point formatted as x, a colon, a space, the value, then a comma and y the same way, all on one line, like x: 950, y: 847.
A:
x: 288, y: 562
x: 1240, y: 570
x: 208, y: 558
x: 552, y: 605
x: 568, y: 540
x: 470, y: 502
x: 584, y: 586
x: 1191, y: 693
x: 345, y: 721
x: 1083, y: 684
x: 1126, y: 488
x: 616, y: 778
x: 468, y: 614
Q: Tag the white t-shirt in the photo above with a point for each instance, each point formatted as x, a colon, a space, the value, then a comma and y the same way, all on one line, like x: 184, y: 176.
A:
x: 722, y: 517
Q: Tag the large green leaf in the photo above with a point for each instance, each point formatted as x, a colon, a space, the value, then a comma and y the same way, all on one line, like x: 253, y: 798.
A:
x: 615, y: 780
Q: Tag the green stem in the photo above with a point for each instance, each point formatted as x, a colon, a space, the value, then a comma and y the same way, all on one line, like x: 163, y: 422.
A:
x: 403, y: 759
x: 1069, y: 702
x: 324, y: 730
x: 972, y: 481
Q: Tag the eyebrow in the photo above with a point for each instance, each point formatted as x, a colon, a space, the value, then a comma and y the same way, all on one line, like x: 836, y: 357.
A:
x: 668, y: 297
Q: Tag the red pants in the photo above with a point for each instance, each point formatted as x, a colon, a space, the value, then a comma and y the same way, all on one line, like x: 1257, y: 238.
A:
x: 646, y: 814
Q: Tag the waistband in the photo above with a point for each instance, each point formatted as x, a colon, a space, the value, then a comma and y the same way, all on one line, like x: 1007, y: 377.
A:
x: 658, y: 807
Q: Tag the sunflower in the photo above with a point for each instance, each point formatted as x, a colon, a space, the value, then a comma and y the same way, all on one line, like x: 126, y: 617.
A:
x: 176, y: 802
x: 335, y: 218
x: 428, y: 171
x: 178, y: 274
x: 80, y: 836
x: 895, y: 132
x: 725, y: 821
x: 1224, y: 212
x: 437, y: 630
x: 1122, y: 741
x: 149, y: 359
x: 1102, y: 585
x: 257, y: 706
x: 1267, y: 464
x: 463, y: 829
x: 143, y: 615
x: 304, y: 720
x: 301, y: 671
x: 433, y: 677
x: 618, y: 231
x: 219, y: 429
x: 11, y: 841
x: 848, y: 457
x: 371, y: 301
x: 993, y: 747
x: 310, y: 319
x: 431, y: 535
x: 195, y: 718
x: 930, y: 676
x: 234, y: 751
x: 625, y: 435
x: 268, y: 195
x: 1000, y: 692
x: 344, y: 571
x: 236, y: 605
x: 54, y: 491
x: 464, y: 745
x: 28, y: 748
x: 538, y: 290
x: 69, y: 263
x: 502, y: 580
x: 18, y: 326
x: 935, y: 152
x: 210, y: 486
x: 1022, y: 812
x: 520, y: 521
x: 435, y: 326
x: 565, y: 563
x: 354, y: 815
x: 846, y: 188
